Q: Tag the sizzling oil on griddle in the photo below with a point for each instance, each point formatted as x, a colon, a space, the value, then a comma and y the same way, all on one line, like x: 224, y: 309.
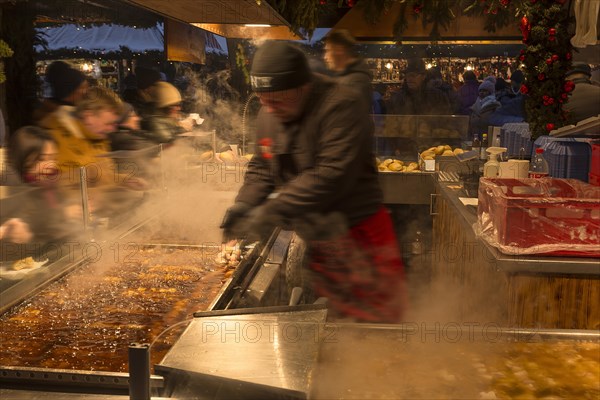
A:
x: 87, y: 319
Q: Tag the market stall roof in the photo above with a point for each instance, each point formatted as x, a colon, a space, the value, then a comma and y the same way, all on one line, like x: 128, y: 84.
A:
x: 225, y: 17
x: 106, y: 37
x: 463, y: 29
x: 110, y: 38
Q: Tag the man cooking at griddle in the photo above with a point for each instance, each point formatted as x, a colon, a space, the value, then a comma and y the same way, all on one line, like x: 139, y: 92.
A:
x: 313, y: 171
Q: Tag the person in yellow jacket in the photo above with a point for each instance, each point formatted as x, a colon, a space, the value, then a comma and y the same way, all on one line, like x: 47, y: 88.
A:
x: 81, y: 133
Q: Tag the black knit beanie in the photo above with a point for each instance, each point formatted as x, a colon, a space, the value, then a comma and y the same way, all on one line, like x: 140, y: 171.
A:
x: 279, y: 65
x: 146, y: 77
x: 63, y: 79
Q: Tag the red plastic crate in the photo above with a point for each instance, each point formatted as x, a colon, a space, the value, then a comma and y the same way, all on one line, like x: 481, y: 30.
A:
x: 535, y: 216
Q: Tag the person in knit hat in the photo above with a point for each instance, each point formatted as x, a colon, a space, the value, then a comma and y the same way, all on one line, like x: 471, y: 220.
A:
x: 487, y: 87
x: 66, y: 82
x: 164, y: 124
x: 484, y: 107
x: 584, y: 101
x: 137, y: 87
x: 313, y: 172
x: 67, y: 85
x: 416, y: 97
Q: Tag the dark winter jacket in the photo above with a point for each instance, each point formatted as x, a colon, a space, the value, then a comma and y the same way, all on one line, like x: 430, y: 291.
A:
x: 512, y: 110
x: 428, y: 100
x: 482, y: 110
x: 467, y: 94
x: 357, y: 76
x: 321, y: 163
x: 161, y: 129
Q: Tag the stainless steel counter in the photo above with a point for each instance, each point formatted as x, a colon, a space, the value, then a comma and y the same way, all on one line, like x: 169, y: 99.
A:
x: 406, y: 187
x: 250, y: 353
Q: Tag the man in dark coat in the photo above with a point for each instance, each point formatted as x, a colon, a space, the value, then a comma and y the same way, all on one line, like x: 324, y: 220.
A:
x: 416, y: 97
x: 585, y: 99
x: 349, y: 68
x: 314, y: 171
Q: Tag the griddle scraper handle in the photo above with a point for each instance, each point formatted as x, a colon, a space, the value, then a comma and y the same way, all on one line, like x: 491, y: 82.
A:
x: 295, y: 296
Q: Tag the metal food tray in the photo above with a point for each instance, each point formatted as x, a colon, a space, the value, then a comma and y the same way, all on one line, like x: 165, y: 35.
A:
x: 100, y: 381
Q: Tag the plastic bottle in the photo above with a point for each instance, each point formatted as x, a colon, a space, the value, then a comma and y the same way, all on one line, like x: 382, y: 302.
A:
x: 539, y: 166
x: 491, y: 168
x: 417, y: 244
x: 497, y: 143
x: 483, y: 148
x: 476, y: 144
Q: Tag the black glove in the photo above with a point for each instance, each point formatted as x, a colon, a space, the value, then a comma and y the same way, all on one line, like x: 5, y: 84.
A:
x: 259, y: 224
x: 232, y: 223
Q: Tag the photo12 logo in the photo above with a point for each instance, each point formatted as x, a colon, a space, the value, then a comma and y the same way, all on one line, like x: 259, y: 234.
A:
x: 236, y: 331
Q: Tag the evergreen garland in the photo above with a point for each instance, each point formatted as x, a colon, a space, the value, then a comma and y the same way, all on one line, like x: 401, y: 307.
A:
x: 5, y: 52
x: 547, y: 59
x: 497, y: 13
x: 301, y: 14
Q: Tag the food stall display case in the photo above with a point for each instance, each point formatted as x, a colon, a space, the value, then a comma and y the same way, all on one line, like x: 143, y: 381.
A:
x: 399, y: 142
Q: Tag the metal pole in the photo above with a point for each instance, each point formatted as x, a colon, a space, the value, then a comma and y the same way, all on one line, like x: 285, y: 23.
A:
x: 162, y: 167
x: 214, y: 142
x: 139, y: 371
x: 84, y: 196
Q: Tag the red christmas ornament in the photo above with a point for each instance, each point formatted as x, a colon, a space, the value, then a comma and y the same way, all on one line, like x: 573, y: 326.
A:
x: 495, y: 11
x: 552, y: 38
x: 548, y: 61
x: 524, y: 89
x: 555, y: 57
x: 564, y: 95
x: 541, y: 76
x: 533, y: 1
x: 322, y: 2
x: 486, y: 10
x: 549, y: 127
x: 552, y: 32
x: 522, y: 58
x: 522, y: 52
x: 568, y: 56
x: 505, y: 3
x: 569, y: 86
x: 525, y: 27
x: 351, y: 3
x: 417, y: 8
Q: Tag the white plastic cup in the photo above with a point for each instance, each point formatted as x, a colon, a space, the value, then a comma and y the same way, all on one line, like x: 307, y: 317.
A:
x: 516, y: 169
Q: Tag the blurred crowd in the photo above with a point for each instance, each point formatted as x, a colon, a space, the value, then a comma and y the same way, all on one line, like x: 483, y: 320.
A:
x: 114, y: 141
x: 487, y: 100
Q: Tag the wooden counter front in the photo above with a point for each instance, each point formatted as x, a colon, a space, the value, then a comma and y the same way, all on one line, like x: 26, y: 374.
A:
x: 517, y: 291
